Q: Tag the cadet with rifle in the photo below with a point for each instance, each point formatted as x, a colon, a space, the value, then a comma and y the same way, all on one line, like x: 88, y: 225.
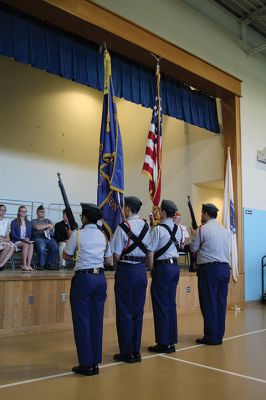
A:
x: 90, y: 249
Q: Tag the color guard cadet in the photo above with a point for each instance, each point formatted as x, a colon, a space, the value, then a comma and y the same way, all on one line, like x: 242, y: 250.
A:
x: 211, y: 242
x: 88, y: 288
x: 163, y: 264
x: 129, y: 246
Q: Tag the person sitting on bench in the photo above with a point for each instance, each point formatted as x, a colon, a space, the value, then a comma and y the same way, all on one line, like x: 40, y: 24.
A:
x: 21, y: 232
x: 42, y: 234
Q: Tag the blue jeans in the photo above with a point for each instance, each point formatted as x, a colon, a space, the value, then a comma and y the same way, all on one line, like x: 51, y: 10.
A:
x: 43, y: 244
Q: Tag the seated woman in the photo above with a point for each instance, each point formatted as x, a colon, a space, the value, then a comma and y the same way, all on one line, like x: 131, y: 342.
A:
x: 21, y: 232
x: 6, y: 247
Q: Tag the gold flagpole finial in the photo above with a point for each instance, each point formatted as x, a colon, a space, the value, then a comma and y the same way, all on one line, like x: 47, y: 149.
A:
x: 104, y: 47
x: 158, y: 59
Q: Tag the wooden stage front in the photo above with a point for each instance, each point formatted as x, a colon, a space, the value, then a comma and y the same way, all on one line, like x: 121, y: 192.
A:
x: 39, y: 300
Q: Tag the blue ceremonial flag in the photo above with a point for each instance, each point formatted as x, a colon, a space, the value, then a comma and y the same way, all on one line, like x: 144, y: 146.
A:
x: 229, y: 219
x: 111, y: 164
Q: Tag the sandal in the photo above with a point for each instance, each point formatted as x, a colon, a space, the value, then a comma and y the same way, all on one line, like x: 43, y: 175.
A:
x: 25, y: 268
x: 30, y: 268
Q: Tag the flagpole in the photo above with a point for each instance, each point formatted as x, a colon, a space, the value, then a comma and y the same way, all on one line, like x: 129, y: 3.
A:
x: 235, y: 307
x: 229, y: 223
x: 155, y: 208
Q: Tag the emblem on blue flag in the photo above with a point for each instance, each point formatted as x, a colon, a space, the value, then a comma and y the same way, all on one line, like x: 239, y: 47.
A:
x: 232, y: 217
x: 111, y: 164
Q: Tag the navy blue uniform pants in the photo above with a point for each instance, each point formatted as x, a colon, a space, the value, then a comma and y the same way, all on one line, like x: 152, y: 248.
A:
x: 130, y: 295
x: 87, y: 297
x: 213, y: 280
x: 163, y: 293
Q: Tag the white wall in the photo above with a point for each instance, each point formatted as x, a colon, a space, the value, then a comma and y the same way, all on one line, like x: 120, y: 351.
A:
x: 189, y: 29
x: 206, y: 194
x: 49, y: 124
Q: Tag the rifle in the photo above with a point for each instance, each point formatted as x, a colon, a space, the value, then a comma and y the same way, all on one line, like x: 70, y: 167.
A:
x: 194, y: 222
x: 72, y: 223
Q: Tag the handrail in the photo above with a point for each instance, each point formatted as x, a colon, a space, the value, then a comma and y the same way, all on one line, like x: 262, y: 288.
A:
x: 59, y: 207
x: 32, y: 204
x: 263, y: 265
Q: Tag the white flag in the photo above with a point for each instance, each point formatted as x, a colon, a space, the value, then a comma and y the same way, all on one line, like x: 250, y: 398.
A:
x: 229, y: 220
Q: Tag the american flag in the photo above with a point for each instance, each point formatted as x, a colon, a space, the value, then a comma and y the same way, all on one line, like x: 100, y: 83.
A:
x: 153, y: 155
x: 229, y: 220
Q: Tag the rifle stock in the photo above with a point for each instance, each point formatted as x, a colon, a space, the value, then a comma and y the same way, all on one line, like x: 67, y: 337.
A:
x: 193, y: 219
x: 72, y: 223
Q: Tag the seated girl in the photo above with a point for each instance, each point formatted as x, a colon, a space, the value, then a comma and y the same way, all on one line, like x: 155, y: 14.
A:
x: 21, y: 232
x: 6, y: 246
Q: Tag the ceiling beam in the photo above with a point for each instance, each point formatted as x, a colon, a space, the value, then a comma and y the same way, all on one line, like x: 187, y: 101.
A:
x: 256, y: 49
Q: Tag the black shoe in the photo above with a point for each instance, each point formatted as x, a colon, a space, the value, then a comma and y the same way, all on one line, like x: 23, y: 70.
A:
x: 127, y: 358
x: 161, y: 348
x: 95, y: 369
x: 192, y: 268
x: 204, y: 341
x: 88, y: 371
x: 171, y: 349
x: 137, y: 356
x: 51, y: 267
x: 40, y: 268
x: 201, y: 340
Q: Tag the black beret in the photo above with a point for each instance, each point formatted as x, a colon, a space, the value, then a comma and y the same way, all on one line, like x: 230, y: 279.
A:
x: 133, y: 201
x: 209, y: 207
x: 169, y: 205
x: 40, y: 208
x: 92, y: 210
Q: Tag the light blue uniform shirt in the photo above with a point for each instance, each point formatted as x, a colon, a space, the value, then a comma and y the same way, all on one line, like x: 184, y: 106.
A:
x: 211, y: 241
x: 120, y: 240
x: 160, y: 237
x: 93, y: 247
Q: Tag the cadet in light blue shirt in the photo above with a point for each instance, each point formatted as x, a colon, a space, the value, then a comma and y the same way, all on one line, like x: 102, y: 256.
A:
x: 88, y: 288
x: 163, y: 262
x: 129, y: 245
x: 211, y: 242
x: 94, y: 247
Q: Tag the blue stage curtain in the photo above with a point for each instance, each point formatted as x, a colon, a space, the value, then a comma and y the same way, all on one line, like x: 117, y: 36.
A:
x: 31, y: 41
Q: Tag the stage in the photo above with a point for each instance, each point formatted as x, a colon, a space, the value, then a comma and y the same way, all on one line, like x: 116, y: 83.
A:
x: 39, y: 300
